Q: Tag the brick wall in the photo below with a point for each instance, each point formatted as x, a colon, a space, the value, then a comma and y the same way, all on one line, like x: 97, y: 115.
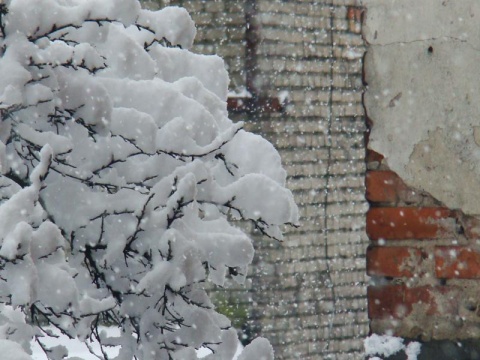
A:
x: 424, y: 255
x: 311, y: 51
x: 307, y: 295
x: 424, y: 261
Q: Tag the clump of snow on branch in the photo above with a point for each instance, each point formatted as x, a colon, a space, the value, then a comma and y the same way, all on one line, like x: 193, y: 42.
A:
x: 121, y: 179
x: 385, y: 345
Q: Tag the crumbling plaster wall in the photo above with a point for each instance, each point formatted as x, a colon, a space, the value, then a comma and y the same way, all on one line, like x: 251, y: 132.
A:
x: 423, y: 94
x: 423, y: 223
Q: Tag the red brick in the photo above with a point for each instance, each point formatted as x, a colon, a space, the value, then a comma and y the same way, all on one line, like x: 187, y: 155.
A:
x: 373, y: 156
x: 269, y: 105
x: 237, y: 104
x: 354, y: 16
x: 393, y: 261
x: 472, y: 228
x: 387, y: 187
x: 386, y: 301
x: 406, y: 223
x: 398, y: 301
x: 457, y: 262
x: 381, y: 186
x: 354, y: 13
x: 262, y: 105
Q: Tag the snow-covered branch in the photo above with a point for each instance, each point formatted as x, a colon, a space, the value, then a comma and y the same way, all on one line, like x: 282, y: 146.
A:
x: 121, y: 177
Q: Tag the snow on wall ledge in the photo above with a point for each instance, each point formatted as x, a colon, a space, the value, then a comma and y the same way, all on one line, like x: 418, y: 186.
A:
x: 423, y: 91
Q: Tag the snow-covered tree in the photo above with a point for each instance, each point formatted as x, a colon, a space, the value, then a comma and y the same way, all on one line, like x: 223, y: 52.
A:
x: 121, y: 178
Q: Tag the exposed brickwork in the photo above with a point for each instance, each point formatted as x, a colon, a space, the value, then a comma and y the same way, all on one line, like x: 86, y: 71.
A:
x: 424, y: 256
x: 457, y: 262
x: 386, y: 186
x: 399, y: 301
x: 471, y: 227
x: 394, y: 261
x: 403, y: 223
x: 423, y: 259
x: 381, y: 186
x: 247, y: 105
x: 354, y: 16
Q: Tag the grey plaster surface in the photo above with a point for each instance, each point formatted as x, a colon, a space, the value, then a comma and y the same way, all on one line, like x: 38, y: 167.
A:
x: 393, y: 21
x: 423, y: 72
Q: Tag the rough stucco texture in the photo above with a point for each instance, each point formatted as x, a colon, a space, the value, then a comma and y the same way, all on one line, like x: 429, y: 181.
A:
x: 423, y: 94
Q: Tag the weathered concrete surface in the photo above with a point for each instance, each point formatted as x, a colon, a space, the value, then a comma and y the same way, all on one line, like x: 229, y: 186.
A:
x: 423, y: 70
x: 393, y: 21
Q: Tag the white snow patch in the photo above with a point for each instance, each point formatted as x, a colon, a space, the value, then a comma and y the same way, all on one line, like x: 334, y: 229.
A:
x: 386, y: 346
